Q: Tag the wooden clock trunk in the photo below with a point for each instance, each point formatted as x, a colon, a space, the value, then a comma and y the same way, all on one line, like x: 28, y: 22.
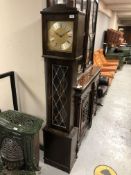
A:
x: 60, y: 135
x: 61, y: 76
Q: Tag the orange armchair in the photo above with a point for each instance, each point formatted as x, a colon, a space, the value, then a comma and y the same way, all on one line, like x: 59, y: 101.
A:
x: 98, y: 62
x: 108, y: 71
x: 108, y: 62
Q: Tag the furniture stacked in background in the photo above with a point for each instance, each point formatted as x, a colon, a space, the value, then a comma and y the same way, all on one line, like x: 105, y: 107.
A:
x: 108, y: 67
x: 126, y: 51
x: 113, y: 42
x: 127, y: 33
x: 117, y: 54
x: 122, y: 53
x: 114, y: 37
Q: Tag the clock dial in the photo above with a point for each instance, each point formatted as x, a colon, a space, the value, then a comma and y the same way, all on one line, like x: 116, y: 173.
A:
x: 60, y: 36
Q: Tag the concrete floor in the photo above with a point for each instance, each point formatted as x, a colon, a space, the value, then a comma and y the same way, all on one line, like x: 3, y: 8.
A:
x: 108, y: 142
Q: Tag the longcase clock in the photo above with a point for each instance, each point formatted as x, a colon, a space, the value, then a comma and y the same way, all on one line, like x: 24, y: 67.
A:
x: 63, y: 31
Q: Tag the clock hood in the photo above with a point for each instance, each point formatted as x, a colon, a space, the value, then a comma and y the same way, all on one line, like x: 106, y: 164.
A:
x: 59, y: 9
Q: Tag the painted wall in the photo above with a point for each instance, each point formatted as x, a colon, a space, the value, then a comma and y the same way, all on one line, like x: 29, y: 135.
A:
x: 106, y: 19
x: 20, y: 51
x: 114, y: 21
x: 102, y: 25
x: 104, y: 9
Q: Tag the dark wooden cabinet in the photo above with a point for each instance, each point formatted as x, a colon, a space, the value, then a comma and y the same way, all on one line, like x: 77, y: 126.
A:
x: 86, y: 100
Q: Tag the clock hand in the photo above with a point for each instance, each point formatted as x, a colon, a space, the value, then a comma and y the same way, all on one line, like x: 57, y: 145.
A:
x: 66, y: 32
x: 58, y: 34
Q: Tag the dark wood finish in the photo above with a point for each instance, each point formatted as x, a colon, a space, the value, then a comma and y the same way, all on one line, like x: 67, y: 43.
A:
x: 85, y: 43
x: 86, y: 100
x: 90, y: 9
x: 62, y: 13
x: 50, y: 3
x: 61, y: 76
x: 67, y: 98
x: 60, y: 150
x: 91, y: 31
x: 71, y: 81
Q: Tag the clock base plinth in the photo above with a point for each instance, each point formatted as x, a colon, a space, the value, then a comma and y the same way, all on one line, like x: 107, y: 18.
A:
x: 60, y: 148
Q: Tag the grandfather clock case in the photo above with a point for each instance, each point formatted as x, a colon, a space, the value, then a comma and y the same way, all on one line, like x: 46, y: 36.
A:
x: 62, y: 50
x: 64, y: 43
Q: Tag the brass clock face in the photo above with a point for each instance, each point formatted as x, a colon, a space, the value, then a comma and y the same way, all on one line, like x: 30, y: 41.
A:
x: 60, y: 36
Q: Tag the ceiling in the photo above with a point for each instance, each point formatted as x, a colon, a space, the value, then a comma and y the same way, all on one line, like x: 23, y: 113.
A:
x: 123, y: 9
